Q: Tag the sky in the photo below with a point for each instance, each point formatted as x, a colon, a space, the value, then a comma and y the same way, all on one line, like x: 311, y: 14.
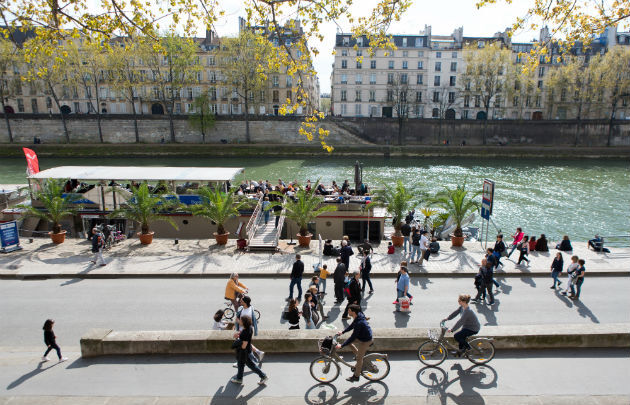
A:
x: 443, y: 17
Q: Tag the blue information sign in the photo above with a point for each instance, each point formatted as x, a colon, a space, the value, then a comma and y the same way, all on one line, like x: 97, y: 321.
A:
x: 9, y: 238
x: 487, y: 198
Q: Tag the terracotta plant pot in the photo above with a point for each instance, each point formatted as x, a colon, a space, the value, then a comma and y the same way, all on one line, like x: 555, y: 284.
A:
x: 457, y: 241
x: 57, y: 238
x: 398, y: 240
x: 145, y: 238
x: 304, y: 241
x: 222, y: 238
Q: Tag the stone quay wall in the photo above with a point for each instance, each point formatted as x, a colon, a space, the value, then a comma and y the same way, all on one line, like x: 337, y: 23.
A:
x: 343, y: 131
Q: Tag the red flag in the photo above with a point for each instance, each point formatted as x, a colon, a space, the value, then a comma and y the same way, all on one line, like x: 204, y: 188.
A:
x: 32, y: 164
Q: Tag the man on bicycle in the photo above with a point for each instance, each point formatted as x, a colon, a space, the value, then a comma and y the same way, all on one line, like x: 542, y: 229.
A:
x: 362, y: 333
x: 234, y: 289
x: 468, y: 322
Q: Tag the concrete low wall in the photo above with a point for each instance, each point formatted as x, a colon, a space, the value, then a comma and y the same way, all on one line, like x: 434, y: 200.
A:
x: 103, y: 342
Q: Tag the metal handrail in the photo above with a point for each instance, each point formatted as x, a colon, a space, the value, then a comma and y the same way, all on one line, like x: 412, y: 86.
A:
x: 253, y: 219
x: 280, y: 224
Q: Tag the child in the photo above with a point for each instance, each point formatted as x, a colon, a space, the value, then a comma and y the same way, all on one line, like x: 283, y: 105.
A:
x: 323, y: 273
x: 51, y: 341
x: 219, y: 324
x: 390, y: 249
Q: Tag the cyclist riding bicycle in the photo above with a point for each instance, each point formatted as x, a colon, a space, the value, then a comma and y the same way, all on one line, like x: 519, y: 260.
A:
x: 362, y: 333
x: 468, y: 322
x: 234, y: 289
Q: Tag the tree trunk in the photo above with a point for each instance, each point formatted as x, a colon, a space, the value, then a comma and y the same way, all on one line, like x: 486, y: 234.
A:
x: 610, y: 124
x: 203, y: 128
x: 98, y: 116
x: 63, y: 116
x: 6, y: 119
x: 247, y: 136
x: 400, y: 127
x: 135, y: 116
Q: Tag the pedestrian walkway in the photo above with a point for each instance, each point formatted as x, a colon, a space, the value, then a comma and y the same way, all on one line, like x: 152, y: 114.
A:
x: 204, y: 258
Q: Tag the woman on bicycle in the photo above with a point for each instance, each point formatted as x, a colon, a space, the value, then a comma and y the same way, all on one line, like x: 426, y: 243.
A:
x: 233, y: 288
x: 467, y: 321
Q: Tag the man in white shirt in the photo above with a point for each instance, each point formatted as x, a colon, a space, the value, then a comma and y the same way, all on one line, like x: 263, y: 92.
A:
x: 424, y: 245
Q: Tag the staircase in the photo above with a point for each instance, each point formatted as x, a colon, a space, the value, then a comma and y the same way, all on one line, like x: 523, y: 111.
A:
x: 263, y: 236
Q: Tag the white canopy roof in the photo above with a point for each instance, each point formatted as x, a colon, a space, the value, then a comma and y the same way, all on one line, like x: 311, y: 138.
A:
x: 138, y: 173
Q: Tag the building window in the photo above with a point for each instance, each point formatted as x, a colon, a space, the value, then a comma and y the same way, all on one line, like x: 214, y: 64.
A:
x: 419, y: 111
x: 20, y: 105
x: 390, y: 64
x: 451, y: 97
x: 538, y: 99
x: 34, y: 106
x: 438, y: 66
x: 403, y: 96
x: 436, y: 81
x: 344, y: 95
x: 404, y: 42
x: 359, y: 65
x: 405, y: 54
x: 438, y: 55
x: 358, y: 79
x: 540, y: 84
x: 419, y: 43
x: 372, y: 95
x: 420, y: 64
x: 454, y: 55
x: 390, y: 95
x: 373, y: 78
x: 276, y: 96
x: 420, y: 54
x: 357, y: 110
x: 343, y: 109
x: 453, y: 66
x: 344, y: 52
x: 452, y: 81
x: 418, y: 97
x: 372, y: 64
x: 344, y: 79
x: 515, y: 101
x: 465, y: 114
x: 276, y: 81
x: 466, y: 101
x: 346, y: 41
x: 403, y: 78
x: 289, y: 81
x: 436, y: 96
x: 48, y: 102
x: 528, y: 101
x: 563, y: 95
x: 497, y: 101
x: 435, y: 113
x: 419, y: 79
x: 359, y: 52
x: 477, y: 101
x: 344, y: 64
x: 404, y: 64
x: 289, y: 96
x: 357, y: 95
x: 541, y: 71
x: 390, y: 78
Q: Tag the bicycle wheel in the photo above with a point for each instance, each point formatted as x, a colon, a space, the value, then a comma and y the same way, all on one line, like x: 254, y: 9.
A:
x: 324, y: 369
x: 375, y: 367
x: 257, y: 313
x: 228, y: 313
x: 481, y: 351
x: 431, y: 353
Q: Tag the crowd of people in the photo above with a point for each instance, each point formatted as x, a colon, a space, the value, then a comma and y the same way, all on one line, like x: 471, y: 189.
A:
x: 263, y: 187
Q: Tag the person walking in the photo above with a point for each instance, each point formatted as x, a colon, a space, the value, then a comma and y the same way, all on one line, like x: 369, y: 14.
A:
x: 571, y: 268
x: 98, y: 243
x: 354, y: 296
x: 499, y: 249
x: 405, y: 229
x: 318, y: 304
x: 246, y: 309
x: 362, y: 334
x: 323, y: 275
x: 366, y: 268
x: 296, y: 277
x: 579, y: 278
x: 493, y: 261
x: 244, y: 352
x: 488, y: 276
x: 307, y: 311
x: 415, y: 245
x: 424, y: 247
x: 523, y: 250
x: 339, y: 278
x: 556, y: 269
x: 51, y: 341
x: 234, y: 289
x: 518, y: 237
x: 266, y: 207
x: 467, y: 321
x: 345, y: 253
x: 293, y: 315
x: 402, y: 287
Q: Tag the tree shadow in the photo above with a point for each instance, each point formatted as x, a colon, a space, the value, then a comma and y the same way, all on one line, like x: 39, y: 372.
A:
x: 30, y: 374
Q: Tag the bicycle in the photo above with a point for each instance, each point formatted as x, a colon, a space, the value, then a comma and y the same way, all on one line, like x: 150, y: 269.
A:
x: 325, y: 368
x: 228, y: 311
x: 434, y: 351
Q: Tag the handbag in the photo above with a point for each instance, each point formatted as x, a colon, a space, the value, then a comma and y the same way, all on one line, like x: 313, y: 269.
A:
x: 236, y: 344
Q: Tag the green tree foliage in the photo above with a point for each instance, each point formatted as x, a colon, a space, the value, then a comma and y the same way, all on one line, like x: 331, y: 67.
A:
x: 458, y: 203
x: 202, y: 118
x: 56, y: 204
x: 305, y: 207
x: 144, y: 207
x: 397, y: 200
x: 219, y: 206
x: 9, y: 80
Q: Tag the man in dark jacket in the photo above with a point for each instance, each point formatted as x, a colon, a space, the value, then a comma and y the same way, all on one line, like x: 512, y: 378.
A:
x: 362, y: 334
x: 345, y: 253
x: 405, y: 229
x: 355, y: 293
x: 98, y: 243
x: 296, y: 277
x: 366, y: 268
x: 487, y: 275
x: 339, y: 277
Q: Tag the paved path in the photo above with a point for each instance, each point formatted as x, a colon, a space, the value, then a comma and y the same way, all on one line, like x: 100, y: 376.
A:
x: 513, y: 377
x: 79, y: 305
x: 204, y: 258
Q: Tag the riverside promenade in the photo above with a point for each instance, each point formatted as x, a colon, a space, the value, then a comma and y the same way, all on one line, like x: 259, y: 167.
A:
x: 203, y: 258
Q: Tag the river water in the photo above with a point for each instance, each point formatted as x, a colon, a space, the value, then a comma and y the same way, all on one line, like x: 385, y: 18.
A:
x: 575, y: 197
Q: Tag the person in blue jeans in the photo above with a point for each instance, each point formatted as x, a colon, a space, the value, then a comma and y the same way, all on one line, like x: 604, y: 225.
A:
x: 415, y: 245
x: 405, y: 229
x: 266, y: 207
x: 467, y: 321
x: 296, y: 277
x: 402, y: 287
x: 244, y: 354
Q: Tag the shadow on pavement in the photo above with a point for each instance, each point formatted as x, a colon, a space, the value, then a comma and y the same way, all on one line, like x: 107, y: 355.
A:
x: 373, y: 392
x: 31, y: 374
x: 438, y: 382
x: 401, y: 319
x: 231, y: 393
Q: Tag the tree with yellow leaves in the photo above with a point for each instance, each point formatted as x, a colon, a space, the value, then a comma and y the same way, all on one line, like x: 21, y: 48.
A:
x: 9, y: 80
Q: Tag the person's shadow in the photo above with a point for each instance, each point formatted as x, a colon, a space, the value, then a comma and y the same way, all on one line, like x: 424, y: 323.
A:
x: 30, y: 375
x: 229, y: 394
x: 401, y: 319
x: 488, y: 311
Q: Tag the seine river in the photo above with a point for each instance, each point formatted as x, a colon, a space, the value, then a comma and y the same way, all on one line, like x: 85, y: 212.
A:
x: 556, y: 197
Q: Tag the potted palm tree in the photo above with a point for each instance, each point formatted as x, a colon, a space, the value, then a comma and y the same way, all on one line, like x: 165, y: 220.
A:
x: 218, y: 207
x: 397, y: 200
x: 458, y: 203
x: 144, y: 207
x: 303, y: 209
x: 56, y: 204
